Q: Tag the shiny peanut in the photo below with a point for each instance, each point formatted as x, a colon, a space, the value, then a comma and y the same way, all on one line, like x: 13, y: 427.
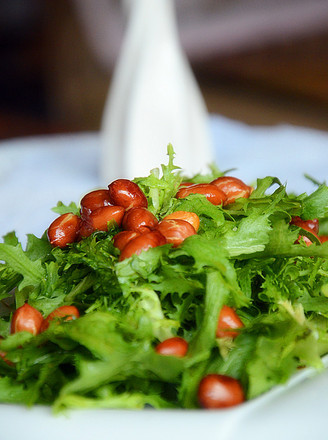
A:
x: 86, y: 228
x: 123, y: 238
x: 211, y: 192
x: 184, y: 184
x: 227, y: 322
x: 66, y: 313
x: 175, y: 346
x: 323, y: 238
x: 26, y: 318
x: 232, y: 187
x: 187, y: 216
x: 124, y: 192
x: 175, y: 231
x: 139, y: 219
x: 306, y: 240
x: 94, y: 200
x: 218, y: 391
x: 64, y: 230
x: 142, y: 243
x: 308, y: 225
x: 100, y: 218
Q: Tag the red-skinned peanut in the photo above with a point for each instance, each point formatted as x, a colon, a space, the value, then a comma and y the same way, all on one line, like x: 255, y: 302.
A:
x: 218, y: 391
x: 124, y: 192
x: 64, y: 230
x: 142, y: 243
x: 232, y: 187
x: 86, y: 228
x: 26, y: 318
x: 175, y: 231
x: 94, y: 200
x: 228, y: 320
x: 175, y: 346
x: 121, y: 239
x: 100, y: 218
x: 308, y: 225
x: 306, y: 240
x: 211, y: 192
x: 187, y: 216
x: 185, y: 184
x: 139, y: 219
x: 67, y: 313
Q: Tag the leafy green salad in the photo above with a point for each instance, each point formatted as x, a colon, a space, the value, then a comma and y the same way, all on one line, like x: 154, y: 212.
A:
x: 250, y: 255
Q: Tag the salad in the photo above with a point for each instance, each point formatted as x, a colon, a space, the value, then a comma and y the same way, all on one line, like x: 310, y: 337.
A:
x: 166, y: 292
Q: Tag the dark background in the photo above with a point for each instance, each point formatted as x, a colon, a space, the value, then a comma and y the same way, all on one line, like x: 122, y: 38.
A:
x: 50, y: 81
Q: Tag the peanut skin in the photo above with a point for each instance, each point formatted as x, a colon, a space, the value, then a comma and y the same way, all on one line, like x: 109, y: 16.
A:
x: 232, y: 187
x: 139, y: 219
x: 211, y: 192
x: 26, y: 318
x: 142, y: 243
x: 175, y: 231
x: 124, y: 192
x: 64, y: 230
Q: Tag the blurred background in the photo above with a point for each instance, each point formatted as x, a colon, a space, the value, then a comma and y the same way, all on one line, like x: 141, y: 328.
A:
x: 263, y: 62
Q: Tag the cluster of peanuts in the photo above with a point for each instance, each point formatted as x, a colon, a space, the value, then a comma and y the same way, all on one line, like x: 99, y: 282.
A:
x: 125, y: 204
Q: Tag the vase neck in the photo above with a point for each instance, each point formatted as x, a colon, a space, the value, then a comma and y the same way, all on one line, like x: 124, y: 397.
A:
x: 154, y: 13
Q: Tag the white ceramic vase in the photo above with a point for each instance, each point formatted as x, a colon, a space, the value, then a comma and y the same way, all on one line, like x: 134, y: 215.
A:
x: 154, y: 100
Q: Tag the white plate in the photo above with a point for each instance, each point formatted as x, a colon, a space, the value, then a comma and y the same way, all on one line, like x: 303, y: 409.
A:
x: 37, y: 172
x: 296, y: 411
